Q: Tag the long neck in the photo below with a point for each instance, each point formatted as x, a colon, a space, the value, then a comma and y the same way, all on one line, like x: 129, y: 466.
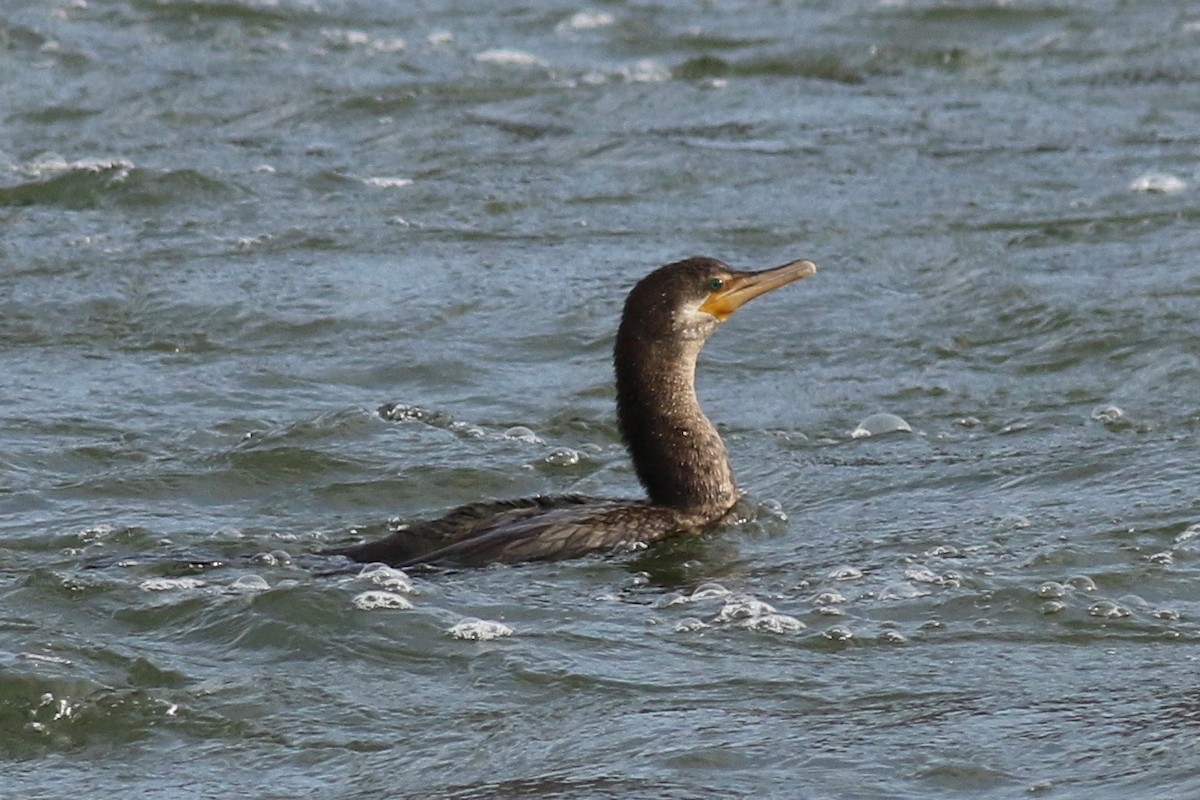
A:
x: 677, y: 453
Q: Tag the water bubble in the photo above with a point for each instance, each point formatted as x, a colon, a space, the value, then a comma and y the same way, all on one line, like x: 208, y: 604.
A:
x: 563, y: 457
x: 902, y: 591
x: 250, y: 583
x: 950, y: 580
x: 830, y: 598
x: 1081, y: 582
x: 671, y: 599
x: 1133, y: 600
x: 839, y: 633
x: 922, y: 575
x: 282, y: 557
x: 830, y: 611
x: 1108, y: 610
x: 467, y: 430
x: 479, y: 630
x: 403, y: 412
x: 708, y: 591
x: 773, y: 509
x: 389, y: 578
x: 943, y: 551
x: 1166, y: 613
x: 1011, y: 522
x: 374, y: 600
x: 846, y: 573
x: 522, y: 434
x: 968, y: 422
x: 1052, y: 606
x: 879, y: 424
x: 1052, y: 589
x: 1107, y: 414
x: 635, y: 580
x: 263, y: 560
x: 689, y: 624
x: 742, y: 607
x: 892, y: 637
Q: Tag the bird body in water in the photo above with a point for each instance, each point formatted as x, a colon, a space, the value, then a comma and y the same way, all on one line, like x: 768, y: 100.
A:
x: 676, y: 451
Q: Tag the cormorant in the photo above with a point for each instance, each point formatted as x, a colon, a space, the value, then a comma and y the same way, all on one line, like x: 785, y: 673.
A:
x: 677, y: 453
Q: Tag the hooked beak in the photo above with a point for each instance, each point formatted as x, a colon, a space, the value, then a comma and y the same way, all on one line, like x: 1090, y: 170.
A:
x: 743, y: 288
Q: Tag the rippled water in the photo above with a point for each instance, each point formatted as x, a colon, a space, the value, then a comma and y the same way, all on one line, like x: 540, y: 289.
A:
x: 232, y: 231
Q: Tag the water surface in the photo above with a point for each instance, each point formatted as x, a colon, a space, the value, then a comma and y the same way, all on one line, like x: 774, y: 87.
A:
x: 234, y: 230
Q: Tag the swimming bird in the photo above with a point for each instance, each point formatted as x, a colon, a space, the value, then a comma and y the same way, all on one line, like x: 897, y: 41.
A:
x: 676, y: 451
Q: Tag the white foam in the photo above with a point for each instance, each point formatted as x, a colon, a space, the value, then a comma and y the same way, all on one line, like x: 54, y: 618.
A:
x: 645, y: 71
x: 479, y: 630
x: 1191, y: 533
x: 388, y: 183
x: 1158, y: 182
x: 375, y: 600
x: 587, y: 20
x: 773, y: 623
x: 343, y: 37
x: 515, y: 58
x: 169, y: 584
x: 689, y: 624
x: 50, y: 164
x: 1107, y: 414
x: 45, y: 659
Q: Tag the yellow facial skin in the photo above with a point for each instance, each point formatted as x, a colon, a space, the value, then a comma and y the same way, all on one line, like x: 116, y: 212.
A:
x: 741, y: 289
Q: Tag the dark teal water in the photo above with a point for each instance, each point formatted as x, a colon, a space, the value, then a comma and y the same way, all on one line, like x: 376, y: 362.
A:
x: 233, y: 230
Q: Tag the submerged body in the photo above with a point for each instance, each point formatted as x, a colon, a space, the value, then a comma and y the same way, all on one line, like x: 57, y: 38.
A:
x: 677, y: 453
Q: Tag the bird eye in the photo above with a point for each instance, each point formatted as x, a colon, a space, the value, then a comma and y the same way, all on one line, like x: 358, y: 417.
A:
x: 716, y: 284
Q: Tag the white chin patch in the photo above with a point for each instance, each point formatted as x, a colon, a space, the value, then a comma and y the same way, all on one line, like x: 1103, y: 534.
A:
x: 695, y: 322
